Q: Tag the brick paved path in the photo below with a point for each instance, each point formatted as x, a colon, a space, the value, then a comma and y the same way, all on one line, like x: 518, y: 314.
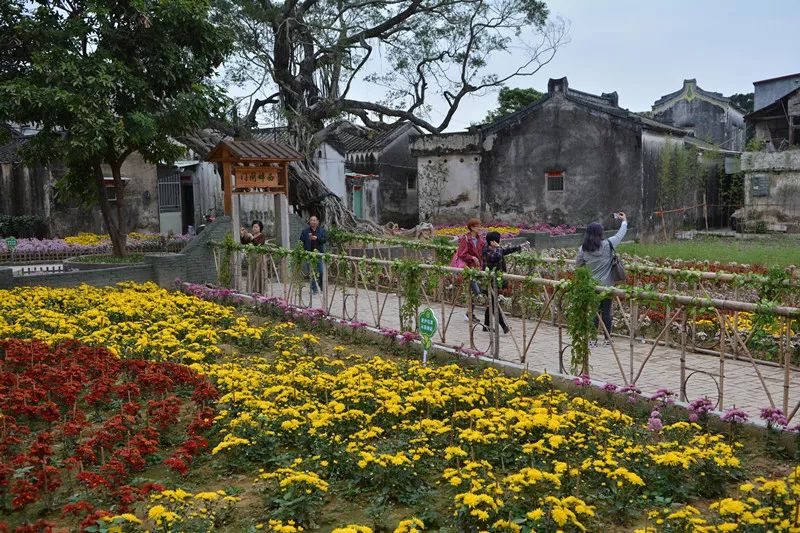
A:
x: 740, y: 384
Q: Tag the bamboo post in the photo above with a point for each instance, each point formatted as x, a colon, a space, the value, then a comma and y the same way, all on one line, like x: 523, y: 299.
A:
x: 683, y: 355
x: 705, y: 210
x: 722, y: 335
x: 787, y: 355
x: 495, y: 295
x: 632, y: 333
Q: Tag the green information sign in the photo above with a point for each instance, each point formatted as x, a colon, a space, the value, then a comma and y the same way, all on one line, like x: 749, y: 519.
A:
x: 11, y: 242
x: 428, y: 326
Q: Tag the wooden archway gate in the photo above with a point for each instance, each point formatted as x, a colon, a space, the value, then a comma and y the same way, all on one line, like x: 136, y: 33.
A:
x: 256, y: 167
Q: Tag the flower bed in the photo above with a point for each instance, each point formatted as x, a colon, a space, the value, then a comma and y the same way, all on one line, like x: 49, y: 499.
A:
x: 141, y: 321
x: 79, y: 425
x: 326, y: 436
x: 507, y: 230
x: 85, y: 244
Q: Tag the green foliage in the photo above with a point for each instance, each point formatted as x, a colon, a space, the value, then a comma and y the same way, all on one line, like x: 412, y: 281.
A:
x: 680, y: 176
x: 26, y: 226
x: 755, y: 145
x: 784, y: 251
x: 510, y: 100
x: 104, y: 79
x: 744, y: 101
x: 582, y: 301
x: 410, y: 275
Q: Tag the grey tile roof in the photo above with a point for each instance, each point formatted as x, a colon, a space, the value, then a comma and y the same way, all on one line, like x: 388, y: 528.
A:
x: 261, y: 149
x: 605, y: 103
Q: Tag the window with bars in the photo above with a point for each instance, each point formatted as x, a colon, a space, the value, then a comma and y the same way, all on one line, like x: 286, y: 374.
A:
x: 555, y: 181
x: 169, y: 192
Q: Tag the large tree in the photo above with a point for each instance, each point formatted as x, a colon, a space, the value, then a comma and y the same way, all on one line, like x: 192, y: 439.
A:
x: 101, y: 79
x: 306, y: 57
x: 745, y: 101
x: 510, y: 100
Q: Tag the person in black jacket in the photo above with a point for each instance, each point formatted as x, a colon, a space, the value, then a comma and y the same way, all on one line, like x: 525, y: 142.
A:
x: 313, y: 238
x: 494, y: 259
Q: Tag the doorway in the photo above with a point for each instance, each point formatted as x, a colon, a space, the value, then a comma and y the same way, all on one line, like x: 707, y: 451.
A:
x: 357, y: 201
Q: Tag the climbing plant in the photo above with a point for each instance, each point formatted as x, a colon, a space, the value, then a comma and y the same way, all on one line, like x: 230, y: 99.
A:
x: 581, y: 303
x: 409, y: 273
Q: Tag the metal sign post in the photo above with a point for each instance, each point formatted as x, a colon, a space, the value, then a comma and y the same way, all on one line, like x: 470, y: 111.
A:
x: 428, y: 325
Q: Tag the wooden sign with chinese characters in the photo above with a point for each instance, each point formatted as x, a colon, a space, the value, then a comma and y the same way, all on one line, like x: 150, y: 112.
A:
x: 257, y: 177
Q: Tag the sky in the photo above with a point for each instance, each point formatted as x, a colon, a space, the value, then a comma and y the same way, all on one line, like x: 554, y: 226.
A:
x: 645, y: 49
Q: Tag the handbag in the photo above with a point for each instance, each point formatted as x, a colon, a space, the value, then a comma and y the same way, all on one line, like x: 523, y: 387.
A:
x: 618, y: 274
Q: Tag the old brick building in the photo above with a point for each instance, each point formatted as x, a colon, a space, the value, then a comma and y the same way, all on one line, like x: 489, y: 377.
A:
x: 707, y: 115
x: 571, y: 157
x: 382, y: 174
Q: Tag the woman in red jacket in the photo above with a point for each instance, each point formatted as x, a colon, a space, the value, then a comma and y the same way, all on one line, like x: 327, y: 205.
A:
x: 470, y: 255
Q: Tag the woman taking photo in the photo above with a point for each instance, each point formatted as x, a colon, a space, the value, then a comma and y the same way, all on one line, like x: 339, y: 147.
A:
x: 596, y: 254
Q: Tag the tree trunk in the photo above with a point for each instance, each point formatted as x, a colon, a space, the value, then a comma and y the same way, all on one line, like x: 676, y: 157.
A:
x: 311, y: 194
x: 119, y: 234
x: 115, y: 228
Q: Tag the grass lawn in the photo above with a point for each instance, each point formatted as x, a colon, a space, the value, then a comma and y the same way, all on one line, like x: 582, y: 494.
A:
x: 772, y: 251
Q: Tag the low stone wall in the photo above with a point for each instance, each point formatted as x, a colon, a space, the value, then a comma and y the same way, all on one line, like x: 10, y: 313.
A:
x: 195, y: 263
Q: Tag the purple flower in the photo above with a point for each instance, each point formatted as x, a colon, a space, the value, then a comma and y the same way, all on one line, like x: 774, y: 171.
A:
x: 390, y: 333
x: 633, y: 389
x: 773, y: 416
x: 408, y: 336
x: 610, y: 387
x: 693, y: 417
x: 701, y: 406
x: 582, y: 381
x: 665, y: 395
x: 654, y: 423
x: 734, y: 415
x: 357, y: 325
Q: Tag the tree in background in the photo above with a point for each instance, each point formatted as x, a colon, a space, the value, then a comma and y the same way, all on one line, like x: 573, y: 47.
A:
x: 102, y: 79
x: 744, y: 101
x: 305, y: 57
x: 510, y: 100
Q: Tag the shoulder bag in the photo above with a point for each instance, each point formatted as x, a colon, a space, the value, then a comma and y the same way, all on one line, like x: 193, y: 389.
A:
x: 618, y: 274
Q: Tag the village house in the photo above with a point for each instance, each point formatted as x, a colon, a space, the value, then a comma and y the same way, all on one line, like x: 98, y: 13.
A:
x: 29, y: 189
x: 771, y: 164
x: 706, y: 115
x: 381, y: 174
x: 571, y: 157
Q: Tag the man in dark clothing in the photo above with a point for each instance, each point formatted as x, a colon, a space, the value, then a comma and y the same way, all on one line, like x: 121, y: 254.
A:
x: 494, y: 259
x: 313, y: 238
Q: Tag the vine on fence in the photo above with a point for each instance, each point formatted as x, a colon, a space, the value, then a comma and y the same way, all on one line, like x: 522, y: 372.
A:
x: 341, y: 238
x: 582, y: 301
x: 409, y: 273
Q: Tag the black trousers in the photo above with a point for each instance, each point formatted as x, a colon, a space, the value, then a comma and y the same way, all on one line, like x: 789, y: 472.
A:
x: 489, y: 313
x: 605, y: 312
